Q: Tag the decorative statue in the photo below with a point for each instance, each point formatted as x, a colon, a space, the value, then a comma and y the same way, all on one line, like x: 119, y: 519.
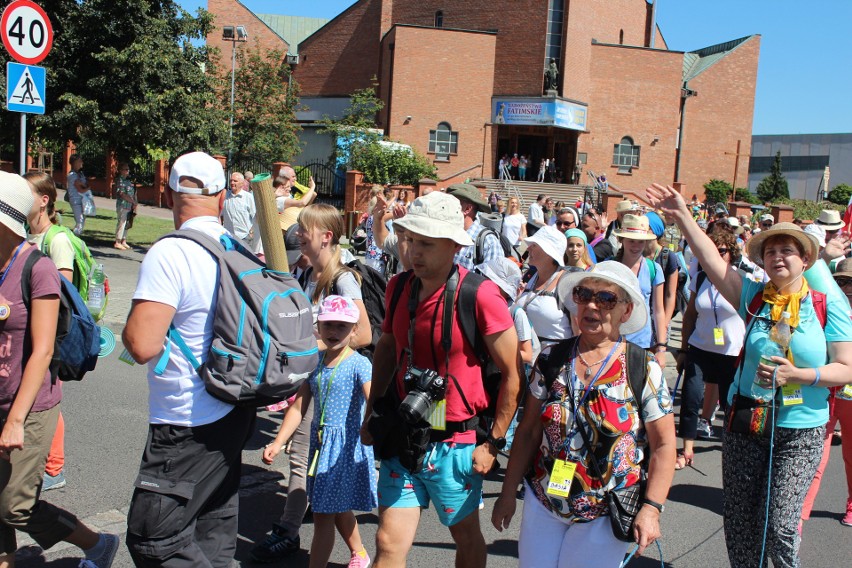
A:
x: 551, y: 74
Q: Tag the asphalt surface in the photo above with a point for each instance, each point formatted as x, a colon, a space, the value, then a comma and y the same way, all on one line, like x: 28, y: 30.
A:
x: 106, y: 424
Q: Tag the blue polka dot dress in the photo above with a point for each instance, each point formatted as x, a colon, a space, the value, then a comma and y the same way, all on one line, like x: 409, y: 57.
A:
x: 345, y: 478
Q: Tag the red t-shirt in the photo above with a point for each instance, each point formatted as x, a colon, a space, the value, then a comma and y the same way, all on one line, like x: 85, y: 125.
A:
x: 15, y: 330
x: 492, y: 316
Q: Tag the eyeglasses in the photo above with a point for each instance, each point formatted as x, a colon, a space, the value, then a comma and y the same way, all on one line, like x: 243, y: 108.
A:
x: 604, y: 299
x: 843, y: 281
x: 565, y: 223
x: 722, y: 250
x: 766, y: 224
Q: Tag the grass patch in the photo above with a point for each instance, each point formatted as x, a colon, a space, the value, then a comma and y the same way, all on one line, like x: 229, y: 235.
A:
x: 100, y: 230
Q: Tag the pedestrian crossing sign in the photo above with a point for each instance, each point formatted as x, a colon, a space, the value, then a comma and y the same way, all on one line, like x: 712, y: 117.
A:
x: 25, y: 88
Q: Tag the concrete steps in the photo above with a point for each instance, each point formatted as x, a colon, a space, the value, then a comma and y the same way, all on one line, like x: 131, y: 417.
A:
x: 529, y: 190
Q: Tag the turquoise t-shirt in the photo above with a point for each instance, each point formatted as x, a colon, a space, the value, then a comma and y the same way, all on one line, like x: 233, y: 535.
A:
x: 809, y: 350
x: 642, y: 338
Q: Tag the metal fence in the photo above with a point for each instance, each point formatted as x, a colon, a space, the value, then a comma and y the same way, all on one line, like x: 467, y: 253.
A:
x: 94, y: 154
x: 331, y: 184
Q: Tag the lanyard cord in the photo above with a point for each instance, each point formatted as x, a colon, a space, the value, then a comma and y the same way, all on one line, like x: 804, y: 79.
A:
x: 11, y: 262
x: 537, y: 293
x: 713, y: 300
x: 324, y: 398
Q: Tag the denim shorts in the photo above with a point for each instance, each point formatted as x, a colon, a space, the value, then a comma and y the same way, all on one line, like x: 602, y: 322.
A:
x: 447, y: 478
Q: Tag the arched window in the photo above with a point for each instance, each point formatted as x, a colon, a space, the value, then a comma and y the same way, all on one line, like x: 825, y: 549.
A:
x: 625, y: 155
x: 439, y: 19
x: 443, y: 141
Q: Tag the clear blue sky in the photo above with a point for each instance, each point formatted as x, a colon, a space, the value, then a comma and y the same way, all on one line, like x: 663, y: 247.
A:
x: 804, y: 80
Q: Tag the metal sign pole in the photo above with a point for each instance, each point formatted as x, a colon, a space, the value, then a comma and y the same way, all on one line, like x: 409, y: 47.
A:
x: 23, y: 143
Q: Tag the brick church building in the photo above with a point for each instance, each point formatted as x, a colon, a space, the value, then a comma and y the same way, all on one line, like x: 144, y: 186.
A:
x: 464, y: 82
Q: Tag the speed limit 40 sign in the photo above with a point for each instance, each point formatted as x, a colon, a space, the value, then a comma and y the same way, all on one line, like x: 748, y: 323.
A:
x: 26, y: 30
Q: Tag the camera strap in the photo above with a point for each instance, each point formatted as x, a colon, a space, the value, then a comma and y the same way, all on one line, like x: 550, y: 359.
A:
x: 446, y: 325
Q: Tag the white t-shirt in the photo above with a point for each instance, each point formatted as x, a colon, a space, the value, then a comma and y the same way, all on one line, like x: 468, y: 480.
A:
x: 181, y: 274
x: 725, y: 317
x: 548, y: 321
x: 238, y: 214
x: 61, y: 250
x: 512, y: 227
x: 535, y: 214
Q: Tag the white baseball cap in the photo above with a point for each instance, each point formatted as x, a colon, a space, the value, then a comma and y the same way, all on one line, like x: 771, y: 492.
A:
x: 203, y: 167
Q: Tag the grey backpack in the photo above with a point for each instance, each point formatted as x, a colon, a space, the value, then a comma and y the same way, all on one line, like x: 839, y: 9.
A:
x: 263, y: 344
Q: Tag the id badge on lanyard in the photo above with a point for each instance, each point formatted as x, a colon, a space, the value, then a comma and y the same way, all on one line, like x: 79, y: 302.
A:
x: 561, y: 477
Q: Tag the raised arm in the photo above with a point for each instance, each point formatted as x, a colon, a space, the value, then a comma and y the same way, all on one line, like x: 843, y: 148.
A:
x: 672, y: 204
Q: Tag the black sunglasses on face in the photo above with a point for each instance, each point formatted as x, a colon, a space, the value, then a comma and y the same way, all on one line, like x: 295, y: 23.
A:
x: 604, y: 299
x: 565, y: 223
x: 722, y: 250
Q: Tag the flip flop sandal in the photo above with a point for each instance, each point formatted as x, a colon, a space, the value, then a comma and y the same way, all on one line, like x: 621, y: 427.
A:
x: 683, y: 460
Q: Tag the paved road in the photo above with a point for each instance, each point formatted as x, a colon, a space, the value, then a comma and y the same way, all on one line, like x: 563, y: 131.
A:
x: 106, y: 427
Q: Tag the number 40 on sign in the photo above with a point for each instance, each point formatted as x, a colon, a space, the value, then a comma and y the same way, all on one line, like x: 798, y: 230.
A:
x: 27, y: 32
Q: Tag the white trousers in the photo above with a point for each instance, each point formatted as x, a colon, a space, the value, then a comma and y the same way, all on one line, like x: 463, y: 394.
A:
x: 549, y: 542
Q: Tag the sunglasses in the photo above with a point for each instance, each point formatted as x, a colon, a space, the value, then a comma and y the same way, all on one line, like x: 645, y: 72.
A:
x: 604, y: 299
x: 564, y: 223
x: 722, y: 250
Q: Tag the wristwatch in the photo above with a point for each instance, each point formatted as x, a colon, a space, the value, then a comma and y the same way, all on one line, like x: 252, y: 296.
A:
x: 658, y: 506
x: 498, y: 443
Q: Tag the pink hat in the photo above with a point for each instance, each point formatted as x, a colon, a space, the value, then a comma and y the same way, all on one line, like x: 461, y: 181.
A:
x: 338, y: 308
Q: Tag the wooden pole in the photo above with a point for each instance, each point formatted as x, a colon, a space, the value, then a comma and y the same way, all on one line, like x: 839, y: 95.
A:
x: 736, y: 168
x: 267, y: 220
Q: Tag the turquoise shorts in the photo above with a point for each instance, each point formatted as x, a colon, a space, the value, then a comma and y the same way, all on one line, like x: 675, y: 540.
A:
x: 447, y: 478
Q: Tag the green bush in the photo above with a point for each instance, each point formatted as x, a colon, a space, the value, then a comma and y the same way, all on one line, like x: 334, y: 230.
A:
x: 840, y: 194
x: 717, y: 191
x: 804, y: 209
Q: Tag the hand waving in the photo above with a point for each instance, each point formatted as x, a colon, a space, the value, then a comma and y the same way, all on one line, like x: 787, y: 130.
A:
x: 837, y: 246
x: 667, y: 199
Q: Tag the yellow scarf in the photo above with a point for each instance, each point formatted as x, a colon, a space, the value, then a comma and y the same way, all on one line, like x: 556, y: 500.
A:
x: 785, y: 302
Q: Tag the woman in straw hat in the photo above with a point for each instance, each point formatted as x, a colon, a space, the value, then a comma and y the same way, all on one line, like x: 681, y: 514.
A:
x: 775, y: 462
x: 634, y: 234
x: 29, y: 399
x: 583, y: 385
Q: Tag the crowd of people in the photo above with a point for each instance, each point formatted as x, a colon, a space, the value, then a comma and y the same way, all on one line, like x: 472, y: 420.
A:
x: 569, y: 310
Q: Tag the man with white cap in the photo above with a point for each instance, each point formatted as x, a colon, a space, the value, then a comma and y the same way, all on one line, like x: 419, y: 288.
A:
x: 448, y: 466
x: 185, y: 504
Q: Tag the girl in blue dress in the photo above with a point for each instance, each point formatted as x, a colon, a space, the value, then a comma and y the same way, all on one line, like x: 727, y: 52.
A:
x: 341, y: 474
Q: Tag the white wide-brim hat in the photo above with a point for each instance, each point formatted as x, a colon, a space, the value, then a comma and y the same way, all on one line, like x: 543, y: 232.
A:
x: 16, y: 200
x: 552, y: 241
x: 617, y: 273
x: 436, y: 216
x: 503, y: 272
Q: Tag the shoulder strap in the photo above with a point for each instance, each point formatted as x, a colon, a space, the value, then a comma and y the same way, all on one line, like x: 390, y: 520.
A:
x: 48, y: 237
x: 479, y: 247
x: 753, y: 306
x: 699, y: 280
x: 637, y: 372
x: 652, y: 270
x: 397, y: 292
x: 820, y: 307
x: 214, y: 247
x: 467, y: 312
x: 27, y: 275
x: 665, y: 252
x: 552, y: 365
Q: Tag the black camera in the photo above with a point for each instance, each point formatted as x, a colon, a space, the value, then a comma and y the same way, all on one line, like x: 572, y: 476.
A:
x: 427, y: 386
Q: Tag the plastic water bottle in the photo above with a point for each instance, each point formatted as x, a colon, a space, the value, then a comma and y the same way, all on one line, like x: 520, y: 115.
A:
x: 774, y: 346
x: 95, y: 301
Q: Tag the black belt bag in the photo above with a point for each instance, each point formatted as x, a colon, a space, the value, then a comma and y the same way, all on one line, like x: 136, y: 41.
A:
x: 751, y: 417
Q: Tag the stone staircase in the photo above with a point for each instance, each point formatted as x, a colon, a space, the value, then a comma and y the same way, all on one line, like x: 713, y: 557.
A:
x: 529, y: 190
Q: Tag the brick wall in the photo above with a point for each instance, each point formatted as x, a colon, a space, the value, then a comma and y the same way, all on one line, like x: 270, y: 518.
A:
x: 721, y: 114
x: 232, y: 13
x: 635, y: 93
x: 435, y: 85
x: 342, y: 56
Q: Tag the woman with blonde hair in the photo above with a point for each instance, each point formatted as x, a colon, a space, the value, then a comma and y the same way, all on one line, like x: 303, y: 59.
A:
x: 514, y: 222
x: 577, y: 252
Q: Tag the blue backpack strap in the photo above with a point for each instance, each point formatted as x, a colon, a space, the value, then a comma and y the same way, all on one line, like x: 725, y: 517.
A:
x: 174, y: 336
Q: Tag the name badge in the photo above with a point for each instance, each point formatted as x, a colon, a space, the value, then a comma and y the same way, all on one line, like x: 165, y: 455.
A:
x: 438, y: 418
x: 312, y: 471
x: 792, y: 395
x: 718, y: 336
x: 847, y: 391
x: 561, y: 477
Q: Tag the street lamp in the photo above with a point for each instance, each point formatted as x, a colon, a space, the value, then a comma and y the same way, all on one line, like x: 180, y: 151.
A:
x: 233, y: 34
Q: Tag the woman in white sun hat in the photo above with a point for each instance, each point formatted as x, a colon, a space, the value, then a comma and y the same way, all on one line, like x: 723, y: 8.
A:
x: 546, y: 313
x: 581, y: 394
x: 634, y: 233
x: 29, y: 399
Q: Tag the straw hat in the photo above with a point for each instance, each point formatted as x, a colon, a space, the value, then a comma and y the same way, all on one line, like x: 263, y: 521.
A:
x: 844, y: 269
x: 754, y: 246
x: 625, y: 206
x: 616, y: 273
x: 16, y: 200
x: 635, y: 227
x: 830, y: 220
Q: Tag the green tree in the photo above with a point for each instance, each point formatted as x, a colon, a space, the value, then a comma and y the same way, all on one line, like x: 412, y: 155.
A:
x: 717, y: 191
x: 774, y: 186
x: 265, y: 101
x: 128, y: 74
x: 840, y: 194
x: 360, y: 146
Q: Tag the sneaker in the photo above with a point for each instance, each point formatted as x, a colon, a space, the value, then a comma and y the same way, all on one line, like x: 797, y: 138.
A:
x: 276, y: 546
x: 847, y: 518
x: 358, y: 561
x: 53, y: 481
x: 106, y: 557
x: 705, y: 430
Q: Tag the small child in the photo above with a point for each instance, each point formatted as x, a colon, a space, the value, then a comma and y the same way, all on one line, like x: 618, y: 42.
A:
x: 341, y: 474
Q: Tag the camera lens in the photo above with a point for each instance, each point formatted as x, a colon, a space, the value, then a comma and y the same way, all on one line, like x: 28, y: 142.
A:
x: 416, y: 407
